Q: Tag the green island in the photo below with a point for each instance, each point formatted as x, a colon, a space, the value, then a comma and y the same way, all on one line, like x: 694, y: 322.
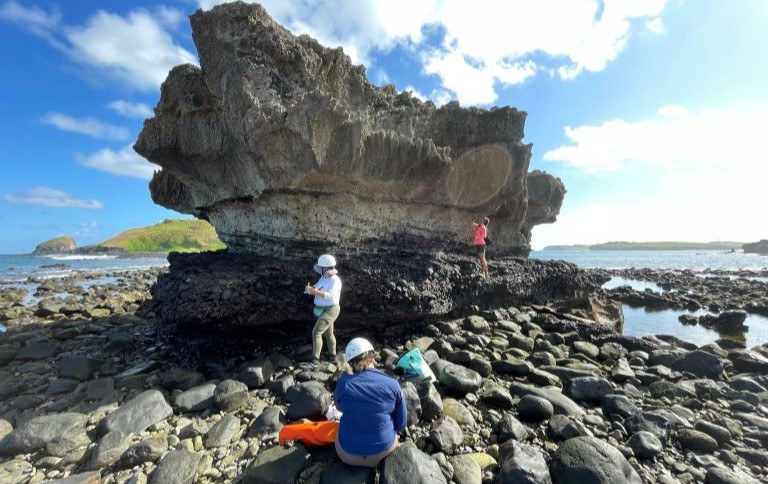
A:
x: 648, y: 246
x: 171, y: 235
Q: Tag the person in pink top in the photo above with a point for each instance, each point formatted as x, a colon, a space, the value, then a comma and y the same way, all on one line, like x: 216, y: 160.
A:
x: 481, y: 235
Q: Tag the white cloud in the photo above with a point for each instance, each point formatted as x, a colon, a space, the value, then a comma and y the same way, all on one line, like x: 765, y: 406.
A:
x: 135, y: 50
x: 485, y: 43
x: 49, y: 197
x: 170, y: 17
x: 34, y: 20
x: 131, y: 110
x: 655, y: 26
x: 125, y: 162
x: 674, y: 139
x: 87, y: 126
x: 705, y: 172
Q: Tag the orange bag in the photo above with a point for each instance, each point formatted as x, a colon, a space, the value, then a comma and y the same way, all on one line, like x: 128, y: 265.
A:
x: 312, y: 433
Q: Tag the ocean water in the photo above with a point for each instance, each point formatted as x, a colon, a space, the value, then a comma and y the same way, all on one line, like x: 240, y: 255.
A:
x: 657, y: 259
x: 17, y: 268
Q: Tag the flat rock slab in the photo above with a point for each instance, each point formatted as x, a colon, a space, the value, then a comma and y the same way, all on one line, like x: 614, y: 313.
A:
x: 53, y: 432
x: 562, y: 405
x: 277, y: 465
x: 136, y: 415
x: 37, y: 351
x: 177, y: 467
x: 409, y: 465
x: 588, y: 459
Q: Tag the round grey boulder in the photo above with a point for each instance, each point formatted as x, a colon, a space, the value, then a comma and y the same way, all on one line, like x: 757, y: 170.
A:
x: 534, y: 409
x: 644, y: 444
x: 588, y: 459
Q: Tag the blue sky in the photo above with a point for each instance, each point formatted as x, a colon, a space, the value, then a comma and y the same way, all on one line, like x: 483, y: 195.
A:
x: 652, y: 112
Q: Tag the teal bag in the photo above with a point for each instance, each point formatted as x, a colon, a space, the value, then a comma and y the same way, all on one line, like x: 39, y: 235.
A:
x: 415, y: 366
x: 319, y: 311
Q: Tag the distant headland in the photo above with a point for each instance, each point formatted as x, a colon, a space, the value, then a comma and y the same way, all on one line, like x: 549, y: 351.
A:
x: 650, y: 246
x: 171, y: 235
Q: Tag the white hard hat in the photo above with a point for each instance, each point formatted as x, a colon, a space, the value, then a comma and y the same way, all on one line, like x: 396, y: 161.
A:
x: 326, y: 260
x: 357, y: 347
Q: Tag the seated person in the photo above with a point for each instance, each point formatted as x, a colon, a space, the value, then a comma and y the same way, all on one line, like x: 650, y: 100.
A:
x: 373, y: 409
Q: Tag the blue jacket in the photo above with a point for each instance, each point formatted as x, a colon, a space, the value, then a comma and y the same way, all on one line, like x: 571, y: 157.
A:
x: 373, y: 412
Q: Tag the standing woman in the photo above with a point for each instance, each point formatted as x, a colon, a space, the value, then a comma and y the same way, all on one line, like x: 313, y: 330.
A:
x: 481, y: 234
x: 327, y: 292
x: 373, y: 409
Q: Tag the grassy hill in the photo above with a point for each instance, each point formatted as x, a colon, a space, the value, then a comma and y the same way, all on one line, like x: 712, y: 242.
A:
x: 168, y: 236
x: 57, y: 245
x: 651, y: 246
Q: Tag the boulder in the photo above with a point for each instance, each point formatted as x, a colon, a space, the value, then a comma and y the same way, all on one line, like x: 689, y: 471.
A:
x: 307, y: 400
x: 230, y: 395
x: 644, y: 444
x: 177, y: 467
x: 588, y: 459
x: 276, y: 465
x: 409, y: 465
x: 700, y: 363
x: 466, y: 470
x: 148, y: 450
x: 511, y: 428
x: 648, y: 422
x: 458, y: 412
x: 522, y: 464
x: 222, y: 432
x: 430, y: 400
x: 695, y: 440
x: 57, y: 433
x: 587, y: 388
x: 534, y: 409
x: 269, y: 422
x: 458, y: 379
x: 196, y: 399
x: 136, y: 415
x: 446, y: 435
x: 561, y: 404
x: 108, y: 451
x: 78, y: 367
x: 256, y: 373
x: 618, y: 405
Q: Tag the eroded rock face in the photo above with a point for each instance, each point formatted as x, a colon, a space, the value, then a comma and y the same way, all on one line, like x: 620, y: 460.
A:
x: 284, y: 146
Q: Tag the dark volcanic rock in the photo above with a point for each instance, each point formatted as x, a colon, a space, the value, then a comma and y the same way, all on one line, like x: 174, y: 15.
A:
x: 409, y: 465
x: 192, y: 294
x: 587, y: 459
x: 522, y: 464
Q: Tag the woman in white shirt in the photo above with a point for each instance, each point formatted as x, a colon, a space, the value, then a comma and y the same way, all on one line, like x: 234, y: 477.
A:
x: 327, y: 292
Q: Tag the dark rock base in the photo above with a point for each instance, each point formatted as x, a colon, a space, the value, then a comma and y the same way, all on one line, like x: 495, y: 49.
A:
x: 220, y: 291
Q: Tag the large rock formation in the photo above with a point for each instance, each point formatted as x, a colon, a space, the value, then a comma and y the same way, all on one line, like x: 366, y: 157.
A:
x: 284, y: 145
x: 288, y: 150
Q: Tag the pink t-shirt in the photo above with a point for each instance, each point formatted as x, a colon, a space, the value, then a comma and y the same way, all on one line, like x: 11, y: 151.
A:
x: 481, y: 232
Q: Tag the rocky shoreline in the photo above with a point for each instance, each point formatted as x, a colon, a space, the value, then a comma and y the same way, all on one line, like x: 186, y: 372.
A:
x: 90, y: 391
